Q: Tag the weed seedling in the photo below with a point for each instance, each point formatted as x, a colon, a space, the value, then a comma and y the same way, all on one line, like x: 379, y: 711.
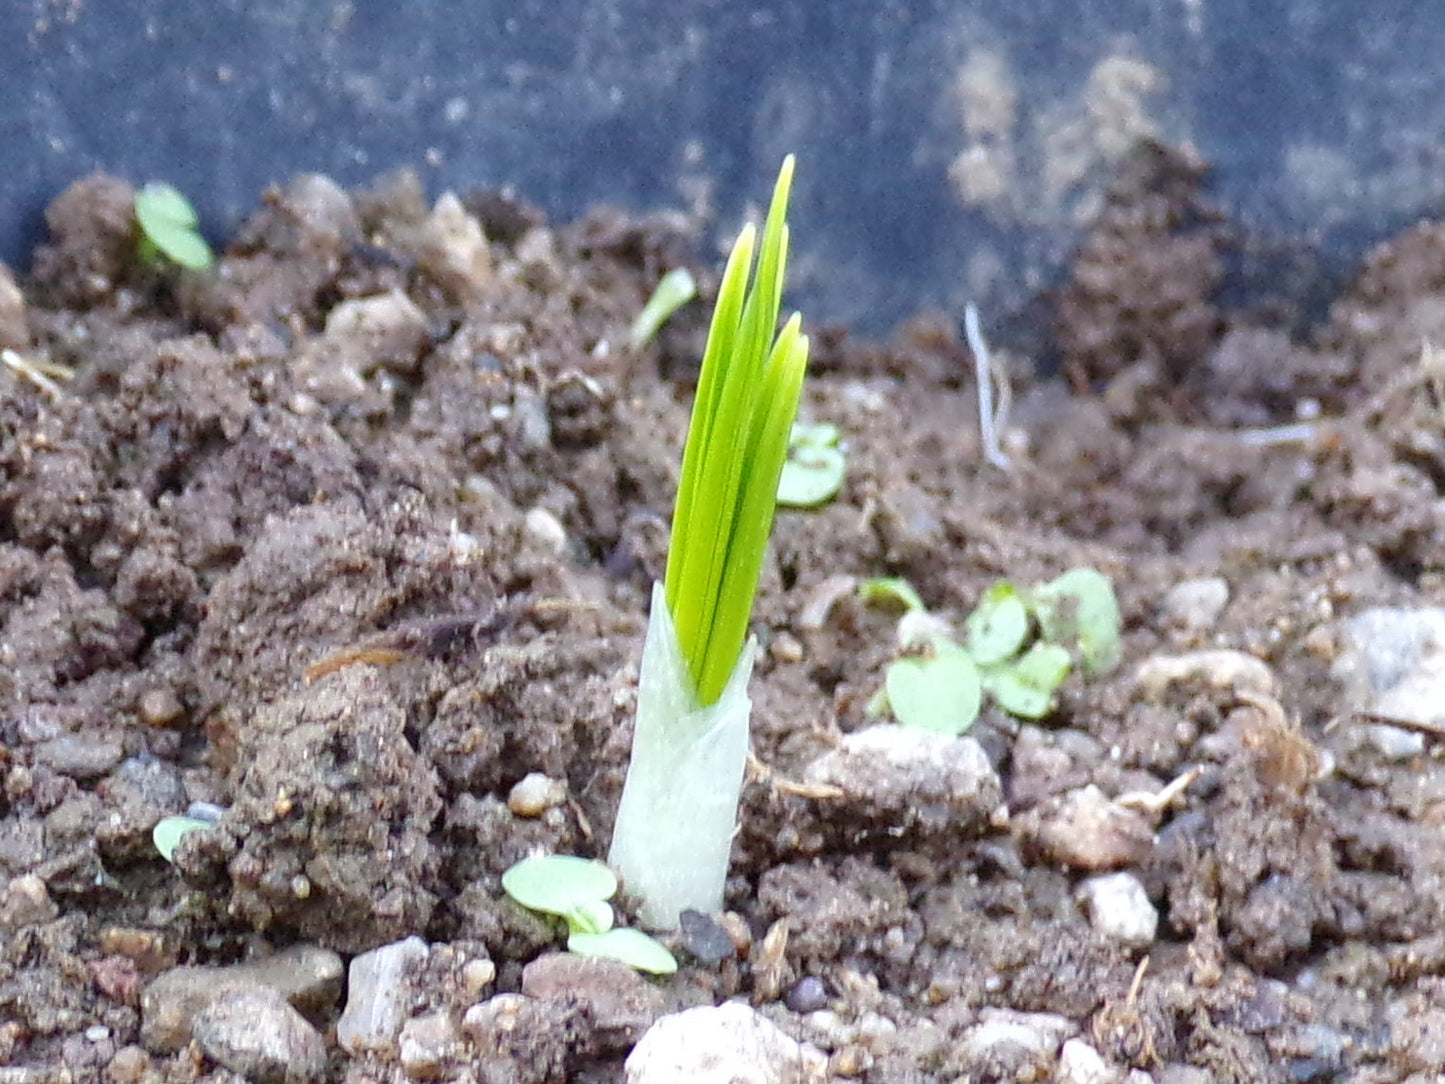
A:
x: 1018, y: 648
x: 576, y: 890
x: 168, y: 228
x: 674, y: 290
x: 814, y: 470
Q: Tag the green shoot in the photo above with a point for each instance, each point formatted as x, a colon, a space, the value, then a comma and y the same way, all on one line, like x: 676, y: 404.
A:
x: 1079, y: 610
x: 891, y: 591
x: 674, y: 290
x: 576, y: 890
x: 168, y: 228
x: 1018, y: 649
x: 167, y: 833
x: 814, y: 470
x: 938, y: 691
x: 742, y: 417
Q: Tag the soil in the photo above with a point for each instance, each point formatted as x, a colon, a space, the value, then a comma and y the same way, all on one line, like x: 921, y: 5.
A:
x: 349, y: 536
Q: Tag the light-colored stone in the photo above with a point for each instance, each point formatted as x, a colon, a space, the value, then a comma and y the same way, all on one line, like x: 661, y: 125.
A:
x: 906, y: 778
x: 254, y: 1031
x: 1393, y: 665
x: 26, y: 901
x: 427, y: 1045
x: 379, y: 990
x: 306, y: 976
x: 1038, y: 1036
x: 1080, y: 1063
x: 724, y: 1044
x: 546, y: 530
x: 1194, y: 605
x: 1084, y: 830
x: 1120, y: 909
x: 1223, y: 670
x: 452, y: 248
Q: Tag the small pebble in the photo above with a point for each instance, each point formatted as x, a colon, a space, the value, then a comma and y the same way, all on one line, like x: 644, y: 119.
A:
x: 706, y: 938
x: 807, y: 995
x: 1084, y: 830
x: 1120, y: 909
x: 546, y: 530
x: 427, y: 1044
x: 1223, y: 669
x: 534, y: 794
x: 160, y: 707
x: 128, y: 1065
x: 720, y: 1044
x: 1080, y: 1063
x: 907, y: 778
x: 1195, y: 605
x: 26, y: 902
x: 477, y: 975
x: 485, y: 1023
x: 620, y: 1003
x: 254, y: 1031
x: 1394, y: 742
x: 379, y: 988
x: 1037, y: 1035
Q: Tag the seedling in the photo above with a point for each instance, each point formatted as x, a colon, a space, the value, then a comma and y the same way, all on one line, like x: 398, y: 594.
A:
x: 891, y: 591
x: 577, y: 890
x: 168, y: 228
x: 679, y: 805
x: 169, y: 831
x: 674, y: 290
x: 814, y: 470
x: 1014, y: 649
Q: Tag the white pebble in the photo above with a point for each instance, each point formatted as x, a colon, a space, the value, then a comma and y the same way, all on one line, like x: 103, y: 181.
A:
x: 379, y: 988
x: 1120, y: 909
x: 1080, y: 1063
x: 534, y: 794
x: 724, y: 1044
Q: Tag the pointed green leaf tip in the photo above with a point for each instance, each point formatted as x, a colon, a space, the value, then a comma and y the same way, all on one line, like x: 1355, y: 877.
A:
x: 747, y: 399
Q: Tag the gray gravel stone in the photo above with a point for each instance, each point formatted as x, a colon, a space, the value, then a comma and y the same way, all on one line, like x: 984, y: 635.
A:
x: 620, y: 1002
x: 303, y: 975
x: 906, y: 778
x: 378, y: 993
x: 1194, y: 605
x: 254, y: 1031
x: 1393, y: 665
x: 1120, y: 909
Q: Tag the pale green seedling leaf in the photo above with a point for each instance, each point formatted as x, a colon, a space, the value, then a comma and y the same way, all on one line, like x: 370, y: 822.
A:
x: 1079, y: 610
x: 559, y: 884
x: 633, y: 947
x: 815, y: 468
x: 939, y: 692
x: 168, y: 222
x: 590, y: 916
x: 167, y: 833
x: 737, y: 441
x: 674, y: 290
x: 891, y: 591
x: 1026, y: 686
x: 997, y: 628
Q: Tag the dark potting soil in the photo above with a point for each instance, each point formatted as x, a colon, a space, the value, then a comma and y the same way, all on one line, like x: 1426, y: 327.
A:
x: 354, y: 533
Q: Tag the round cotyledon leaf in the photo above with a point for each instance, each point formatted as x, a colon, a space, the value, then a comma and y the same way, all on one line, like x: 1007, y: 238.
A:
x: 559, y: 884
x: 169, y: 222
x: 167, y: 833
x: 997, y: 628
x: 940, y: 691
x: 1026, y: 686
x: 633, y: 947
x: 814, y: 470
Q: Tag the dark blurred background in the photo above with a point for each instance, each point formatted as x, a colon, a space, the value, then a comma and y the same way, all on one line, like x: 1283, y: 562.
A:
x: 948, y: 149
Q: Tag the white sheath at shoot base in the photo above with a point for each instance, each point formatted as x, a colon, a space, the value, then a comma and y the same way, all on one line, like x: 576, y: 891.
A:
x: 687, y: 761
x: 679, y: 805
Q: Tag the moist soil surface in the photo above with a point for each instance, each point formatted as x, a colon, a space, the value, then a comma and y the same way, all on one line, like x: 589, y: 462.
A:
x: 346, y: 538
